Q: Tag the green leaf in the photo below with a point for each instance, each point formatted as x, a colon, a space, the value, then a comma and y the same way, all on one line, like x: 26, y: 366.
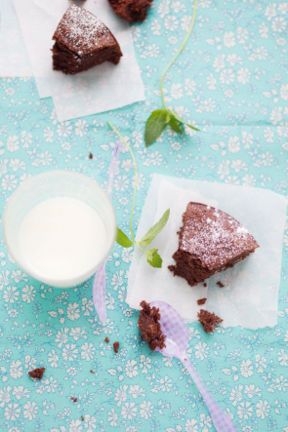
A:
x: 176, y: 125
x: 153, y: 258
x: 154, y: 230
x: 192, y: 127
x: 155, y: 125
x: 122, y: 239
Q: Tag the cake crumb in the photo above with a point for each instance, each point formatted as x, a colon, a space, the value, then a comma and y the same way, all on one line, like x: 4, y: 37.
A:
x: 82, y: 418
x: 201, y: 301
x: 116, y: 346
x: 91, y: 155
x: 74, y: 399
x: 37, y: 373
x: 149, y: 326
x: 220, y: 284
x: 92, y: 371
x: 208, y: 320
x: 107, y: 340
x: 205, y: 284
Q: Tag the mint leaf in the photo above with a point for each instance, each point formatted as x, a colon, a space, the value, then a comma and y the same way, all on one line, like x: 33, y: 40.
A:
x: 154, y: 230
x: 122, y: 239
x: 176, y: 125
x: 153, y: 258
x: 192, y: 127
x: 155, y: 125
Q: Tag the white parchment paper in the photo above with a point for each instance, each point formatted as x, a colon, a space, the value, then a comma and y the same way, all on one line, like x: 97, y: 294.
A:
x: 99, y: 89
x: 14, y: 61
x: 250, y: 296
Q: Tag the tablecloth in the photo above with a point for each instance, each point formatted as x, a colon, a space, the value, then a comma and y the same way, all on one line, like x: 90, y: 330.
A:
x: 232, y: 82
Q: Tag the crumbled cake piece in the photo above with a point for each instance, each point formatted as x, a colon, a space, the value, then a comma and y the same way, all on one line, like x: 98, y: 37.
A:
x: 106, y: 340
x: 131, y: 10
x: 210, y: 241
x: 208, y: 320
x: 92, y: 371
x: 201, y: 301
x: 37, y: 373
x: 90, y: 156
x: 220, y: 284
x: 149, y: 326
x: 82, y: 41
x: 116, y: 346
x: 74, y: 399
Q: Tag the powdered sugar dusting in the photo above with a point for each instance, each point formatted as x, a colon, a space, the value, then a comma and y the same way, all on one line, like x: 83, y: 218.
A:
x: 213, y: 236
x: 82, y: 32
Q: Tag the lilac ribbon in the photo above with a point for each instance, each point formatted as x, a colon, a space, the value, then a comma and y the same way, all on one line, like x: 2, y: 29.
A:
x: 99, y: 283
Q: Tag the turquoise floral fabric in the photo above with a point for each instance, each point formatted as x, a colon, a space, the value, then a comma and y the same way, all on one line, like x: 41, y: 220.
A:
x: 232, y: 81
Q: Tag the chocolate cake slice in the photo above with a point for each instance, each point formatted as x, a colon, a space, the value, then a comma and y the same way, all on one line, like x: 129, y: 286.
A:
x: 149, y: 326
x: 82, y: 41
x: 209, y: 241
x: 131, y: 10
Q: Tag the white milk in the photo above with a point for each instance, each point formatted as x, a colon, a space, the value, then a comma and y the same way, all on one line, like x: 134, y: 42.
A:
x: 62, y: 238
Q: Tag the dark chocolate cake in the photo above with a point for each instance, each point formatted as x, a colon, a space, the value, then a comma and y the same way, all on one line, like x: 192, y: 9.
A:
x: 149, y: 326
x: 82, y: 41
x: 208, y: 320
x: 131, y: 10
x: 209, y: 241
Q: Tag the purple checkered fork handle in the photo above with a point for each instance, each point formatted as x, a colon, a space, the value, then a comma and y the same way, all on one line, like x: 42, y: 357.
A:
x: 176, y: 340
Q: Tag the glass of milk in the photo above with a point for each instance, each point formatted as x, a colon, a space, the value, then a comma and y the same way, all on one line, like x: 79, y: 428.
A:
x: 59, y: 227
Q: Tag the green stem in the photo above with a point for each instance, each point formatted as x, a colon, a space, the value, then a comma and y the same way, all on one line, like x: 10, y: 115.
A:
x: 178, y: 52
x: 136, y: 177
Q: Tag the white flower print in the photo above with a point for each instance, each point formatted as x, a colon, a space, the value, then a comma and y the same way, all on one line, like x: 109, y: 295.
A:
x: 121, y: 395
x: 243, y: 76
x: 191, y: 426
x: 81, y: 128
x: 145, y: 364
x: 245, y: 410
x: 145, y: 409
x: 136, y: 391
x: 4, y: 396
x: 16, y: 370
x: 87, y: 351
x: 236, y: 395
x: 129, y: 410
x: 131, y: 368
x: 73, y: 312
x: 11, y: 295
x: 30, y: 410
x: 53, y: 359
x: 12, y: 143
x: 246, y: 368
x: 12, y: 411
x: 227, y: 76
x: 283, y: 357
x: 176, y: 91
x: 9, y: 182
x: 251, y: 391
x: 75, y: 426
x: 112, y: 418
x: 262, y: 409
x: 20, y: 392
x: 70, y: 352
x: 233, y: 144
x: 28, y: 293
x: 201, y: 350
x: 229, y: 39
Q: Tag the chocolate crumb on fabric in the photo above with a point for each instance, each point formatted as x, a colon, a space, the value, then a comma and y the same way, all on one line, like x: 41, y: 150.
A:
x: 91, y: 155
x: 82, y: 418
x: 208, y: 320
x: 131, y: 10
x: 205, y: 285
x: 210, y: 241
x: 220, y: 284
x: 74, y: 399
x: 116, y: 346
x: 201, y: 301
x: 92, y: 371
x: 149, y: 326
x: 107, y: 340
x: 37, y: 373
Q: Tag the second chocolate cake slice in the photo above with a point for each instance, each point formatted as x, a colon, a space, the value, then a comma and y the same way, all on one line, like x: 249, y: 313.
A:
x: 209, y: 241
x: 83, y: 41
x: 131, y: 10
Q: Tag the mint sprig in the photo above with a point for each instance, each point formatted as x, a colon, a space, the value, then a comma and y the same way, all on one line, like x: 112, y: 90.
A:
x: 152, y: 255
x: 161, y: 118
